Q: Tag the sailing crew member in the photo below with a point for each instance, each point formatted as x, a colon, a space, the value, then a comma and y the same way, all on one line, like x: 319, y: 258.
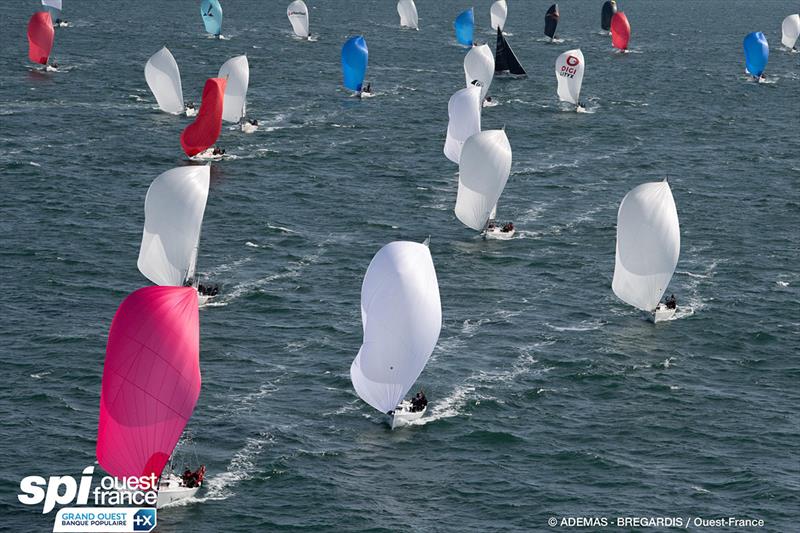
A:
x: 418, y: 402
x: 671, y: 302
x: 368, y: 90
x: 509, y: 227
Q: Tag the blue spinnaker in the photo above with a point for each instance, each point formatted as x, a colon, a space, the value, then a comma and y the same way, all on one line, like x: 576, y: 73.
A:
x: 465, y: 25
x: 354, y: 62
x: 756, y: 53
x: 212, y: 16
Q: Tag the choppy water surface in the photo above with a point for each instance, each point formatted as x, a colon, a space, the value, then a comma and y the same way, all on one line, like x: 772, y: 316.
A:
x: 549, y: 397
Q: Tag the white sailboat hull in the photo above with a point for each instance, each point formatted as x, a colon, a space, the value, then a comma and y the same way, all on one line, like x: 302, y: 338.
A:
x: 499, y: 234
x: 203, y: 299
x: 249, y: 128
x: 403, y: 416
x: 171, y: 491
x: 661, y: 313
x: 206, y: 155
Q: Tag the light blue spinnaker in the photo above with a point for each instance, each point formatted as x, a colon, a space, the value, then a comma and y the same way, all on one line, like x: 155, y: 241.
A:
x: 212, y: 16
x: 756, y: 53
x: 465, y: 26
x: 354, y: 62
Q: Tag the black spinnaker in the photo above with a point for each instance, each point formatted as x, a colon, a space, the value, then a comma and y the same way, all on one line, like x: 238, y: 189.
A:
x: 504, y: 58
x: 551, y: 21
x: 609, y: 8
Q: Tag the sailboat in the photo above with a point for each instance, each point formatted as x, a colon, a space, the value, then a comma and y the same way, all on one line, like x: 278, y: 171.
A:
x: 479, y: 68
x: 620, y: 31
x: 505, y: 60
x: 164, y: 79
x: 498, y: 13
x: 482, y: 175
x: 237, y: 71
x: 55, y: 7
x: 199, y: 136
x: 173, y: 217
x: 151, y: 383
x: 569, y: 75
x: 298, y: 16
x: 401, y: 315
x: 551, y: 22
x: 648, y: 246
x: 40, y: 38
x: 464, y: 111
x: 211, y: 11
x: 608, y: 11
x: 355, y: 57
x: 465, y: 27
x: 756, y: 54
x: 407, y: 10
x: 790, y: 31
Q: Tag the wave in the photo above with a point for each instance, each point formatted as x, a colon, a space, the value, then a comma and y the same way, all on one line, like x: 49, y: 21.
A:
x: 586, y: 325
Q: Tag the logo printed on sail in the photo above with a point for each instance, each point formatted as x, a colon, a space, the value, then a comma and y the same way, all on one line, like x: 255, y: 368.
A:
x: 572, y: 61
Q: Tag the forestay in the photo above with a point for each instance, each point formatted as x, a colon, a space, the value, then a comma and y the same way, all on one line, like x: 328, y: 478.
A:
x: 464, y: 111
x: 499, y: 12
x: 173, y: 216
x: 648, y: 245
x: 164, y: 79
x: 479, y: 65
x: 402, y: 316
x: 237, y: 71
x: 298, y: 16
x: 790, y: 30
x: 569, y: 74
x: 482, y: 175
x: 408, y: 14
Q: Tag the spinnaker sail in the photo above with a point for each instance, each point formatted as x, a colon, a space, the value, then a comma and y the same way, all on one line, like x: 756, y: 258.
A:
x: 569, y: 74
x: 298, y: 16
x: 551, y: 21
x: 355, y: 57
x: 151, y: 380
x: 482, y: 175
x: 620, y: 31
x: 164, y: 79
x: 465, y: 27
x: 408, y: 14
x: 173, y: 217
x: 499, y: 12
x: 211, y: 11
x: 609, y: 8
x: 648, y: 245
x: 237, y: 71
x: 505, y: 58
x: 756, y: 53
x: 402, y: 317
x: 55, y: 4
x: 204, y: 131
x: 40, y: 37
x: 479, y: 66
x: 790, y: 30
x: 464, y: 110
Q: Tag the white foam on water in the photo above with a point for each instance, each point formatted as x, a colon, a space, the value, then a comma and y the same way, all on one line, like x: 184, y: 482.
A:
x: 32, y: 163
x: 585, y: 325
x: 40, y: 375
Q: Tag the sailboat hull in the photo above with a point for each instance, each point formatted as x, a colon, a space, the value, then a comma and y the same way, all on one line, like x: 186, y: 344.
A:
x: 403, y: 416
x: 661, y: 314
x: 498, y: 234
x: 171, y: 491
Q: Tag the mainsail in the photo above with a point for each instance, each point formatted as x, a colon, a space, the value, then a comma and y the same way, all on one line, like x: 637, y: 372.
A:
x: 499, y: 12
x: 505, y: 59
x: 756, y: 53
x: 479, y: 66
x: 204, y: 131
x: 355, y: 57
x: 464, y: 110
x: 151, y: 380
x: 40, y: 37
x: 551, y: 21
x: 55, y: 4
x: 465, y: 26
x: 569, y: 74
x: 173, y: 216
x: 402, y: 316
x: 620, y: 31
x: 482, y: 175
x: 164, y: 79
x: 211, y: 11
x: 790, y: 30
x: 237, y: 71
x: 648, y: 245
x: 609, y: 8
x: 408, y: 14
x: 298, y: 16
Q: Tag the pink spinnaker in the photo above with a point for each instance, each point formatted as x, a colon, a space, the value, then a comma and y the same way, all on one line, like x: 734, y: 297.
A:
x: 151, y: 380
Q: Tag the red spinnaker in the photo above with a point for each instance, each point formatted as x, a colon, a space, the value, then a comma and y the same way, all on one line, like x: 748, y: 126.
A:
x: 620, y: 31
x: 151, y: 380
x: 40, y: 37
x: 204, y: 131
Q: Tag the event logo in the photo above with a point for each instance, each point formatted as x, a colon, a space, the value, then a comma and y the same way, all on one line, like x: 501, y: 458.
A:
x: 572, y: 61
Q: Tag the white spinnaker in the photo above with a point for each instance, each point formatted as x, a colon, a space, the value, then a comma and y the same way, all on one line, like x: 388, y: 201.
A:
x: 55, y: 4
x: 569, y: 74
x: 479, y: 65
x: 408, y: 14
x: 790, y: 30
x: 499, y: 12
x: 482, y: 175
x: 237, y: 70
x: 173, y: 216
x: 298, y: 16
x: 164, y: 79
x: 648, y: 245
x: 402, y: 317
x: 464, y: 109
